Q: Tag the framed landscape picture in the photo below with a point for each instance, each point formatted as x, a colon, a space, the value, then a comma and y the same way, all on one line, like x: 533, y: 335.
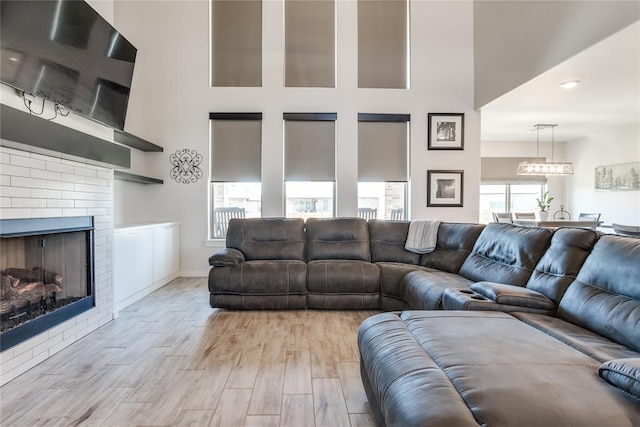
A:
x: 446, y: 131
x: 445, y: 188
x: 621, y: 177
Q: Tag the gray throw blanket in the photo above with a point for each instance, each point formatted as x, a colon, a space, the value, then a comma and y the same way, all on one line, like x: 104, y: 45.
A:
x: 422, y: 236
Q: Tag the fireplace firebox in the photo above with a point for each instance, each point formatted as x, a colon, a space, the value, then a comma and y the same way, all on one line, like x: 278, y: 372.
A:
x: 46, y: 274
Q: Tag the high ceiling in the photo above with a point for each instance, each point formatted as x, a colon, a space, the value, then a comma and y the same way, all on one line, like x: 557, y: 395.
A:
x: 608, y: 94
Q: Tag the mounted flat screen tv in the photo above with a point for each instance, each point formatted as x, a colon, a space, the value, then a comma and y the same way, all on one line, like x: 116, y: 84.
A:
x: 65, y: 52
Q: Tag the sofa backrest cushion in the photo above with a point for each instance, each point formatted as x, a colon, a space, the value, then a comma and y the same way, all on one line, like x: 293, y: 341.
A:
x: 605, y: 297
x: 454, y: 244
x: 387, y: 239
x: 561, y: 262
x: 267, y: 238
x: 337, y: 238
x: 506, y: 253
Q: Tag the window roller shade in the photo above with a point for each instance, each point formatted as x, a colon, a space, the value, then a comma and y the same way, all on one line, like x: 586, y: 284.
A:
x: 236, y: 149
x: 309, y: 150
x: 382, y: 44
x: 236, y: 43
x: 310, y: 43
x: 382, y: 151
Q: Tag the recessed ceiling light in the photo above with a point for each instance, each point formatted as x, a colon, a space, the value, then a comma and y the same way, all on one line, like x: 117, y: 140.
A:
x: 570, y: 84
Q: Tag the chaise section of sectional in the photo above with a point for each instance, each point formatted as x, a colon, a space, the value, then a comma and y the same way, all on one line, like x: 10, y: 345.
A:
x: 461, y: 368
x: 577, y: 367
x: 262, y: 267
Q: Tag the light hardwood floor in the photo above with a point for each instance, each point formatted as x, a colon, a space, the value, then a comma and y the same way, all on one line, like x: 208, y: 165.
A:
x: 170, y: 359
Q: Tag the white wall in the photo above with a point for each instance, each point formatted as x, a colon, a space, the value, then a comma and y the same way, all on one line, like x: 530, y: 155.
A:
x: 171, y: 99
x: 621, y: 207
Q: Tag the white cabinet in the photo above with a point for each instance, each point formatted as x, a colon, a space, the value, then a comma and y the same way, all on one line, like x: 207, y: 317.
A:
x: 145, y: 258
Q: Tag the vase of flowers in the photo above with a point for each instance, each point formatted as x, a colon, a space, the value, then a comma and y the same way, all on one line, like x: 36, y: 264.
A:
x: 544, y: 204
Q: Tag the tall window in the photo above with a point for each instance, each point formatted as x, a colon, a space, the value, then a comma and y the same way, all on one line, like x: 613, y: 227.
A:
x: 236, y: 156
x: 508, y: 198
x: 310, y: 43
x: 383, y: 141
x: 383, y: 44
x: 236, y: 43
x: 309, y: 164
x: 502, y: 190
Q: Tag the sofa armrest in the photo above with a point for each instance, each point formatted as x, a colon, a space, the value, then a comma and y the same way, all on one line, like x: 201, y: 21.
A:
x: 623, y: 373
x: 513, y: 295
x: 226, y: 257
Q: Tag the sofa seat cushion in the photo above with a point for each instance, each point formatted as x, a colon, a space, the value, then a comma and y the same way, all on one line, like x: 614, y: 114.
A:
x: 392, y: 273
x: 470, y: 299
x: 513, y: 295
x: 440, y: 368
x: 256, y: 280
x: 343, y: 285
x: 624, y: 374
x: 583, y: 340
x: 423, y: 290
x: 343, y: 277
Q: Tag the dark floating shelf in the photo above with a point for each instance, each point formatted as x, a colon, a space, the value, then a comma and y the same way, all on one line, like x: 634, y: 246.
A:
x: 132, y: 177
x: 40, y: 134
x: 134, y: 141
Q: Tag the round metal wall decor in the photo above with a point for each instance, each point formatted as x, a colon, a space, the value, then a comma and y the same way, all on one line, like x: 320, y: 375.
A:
x: 186, y: 166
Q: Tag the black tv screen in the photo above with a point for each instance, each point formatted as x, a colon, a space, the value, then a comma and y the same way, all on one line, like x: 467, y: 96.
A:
x: 65, y: 52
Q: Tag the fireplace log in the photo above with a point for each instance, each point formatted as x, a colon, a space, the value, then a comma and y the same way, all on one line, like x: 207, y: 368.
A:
x: 22, y: 274
x: 48, y: 276
x: 30, y: 293
x: 7, y: 291
x: 37, y: 274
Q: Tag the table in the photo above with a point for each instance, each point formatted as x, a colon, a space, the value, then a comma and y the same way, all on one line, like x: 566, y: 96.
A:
x: 556, y: 223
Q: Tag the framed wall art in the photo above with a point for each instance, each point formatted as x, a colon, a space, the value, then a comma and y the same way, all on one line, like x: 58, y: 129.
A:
x: 445, y: 188
x: 621, y: 177
x: 446, y: 131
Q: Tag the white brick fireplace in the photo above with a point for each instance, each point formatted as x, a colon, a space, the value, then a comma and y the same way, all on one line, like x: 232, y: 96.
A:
x: 38, y: 186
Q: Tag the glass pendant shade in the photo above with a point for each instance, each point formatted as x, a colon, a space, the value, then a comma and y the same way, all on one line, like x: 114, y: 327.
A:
x: 545, y: 168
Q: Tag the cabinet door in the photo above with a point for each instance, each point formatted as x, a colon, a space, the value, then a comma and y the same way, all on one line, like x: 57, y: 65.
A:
x: 166, y: 253
x: 132, y: 263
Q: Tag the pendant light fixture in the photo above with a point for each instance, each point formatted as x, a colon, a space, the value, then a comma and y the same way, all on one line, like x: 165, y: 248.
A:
x: 545, y: 168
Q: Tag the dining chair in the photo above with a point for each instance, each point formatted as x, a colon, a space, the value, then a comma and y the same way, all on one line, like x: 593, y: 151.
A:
x: 589, y: 217
x: 525, y: 215
x: 626, y: 230
x: 502, y: 217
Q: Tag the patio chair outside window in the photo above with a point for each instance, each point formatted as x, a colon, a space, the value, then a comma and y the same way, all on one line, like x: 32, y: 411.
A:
x: 222, y: 217
x: 367, y: 213
x: 397, y: 214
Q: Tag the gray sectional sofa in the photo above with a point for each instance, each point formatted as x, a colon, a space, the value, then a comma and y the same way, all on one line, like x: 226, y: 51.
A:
x: 500, y: 326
